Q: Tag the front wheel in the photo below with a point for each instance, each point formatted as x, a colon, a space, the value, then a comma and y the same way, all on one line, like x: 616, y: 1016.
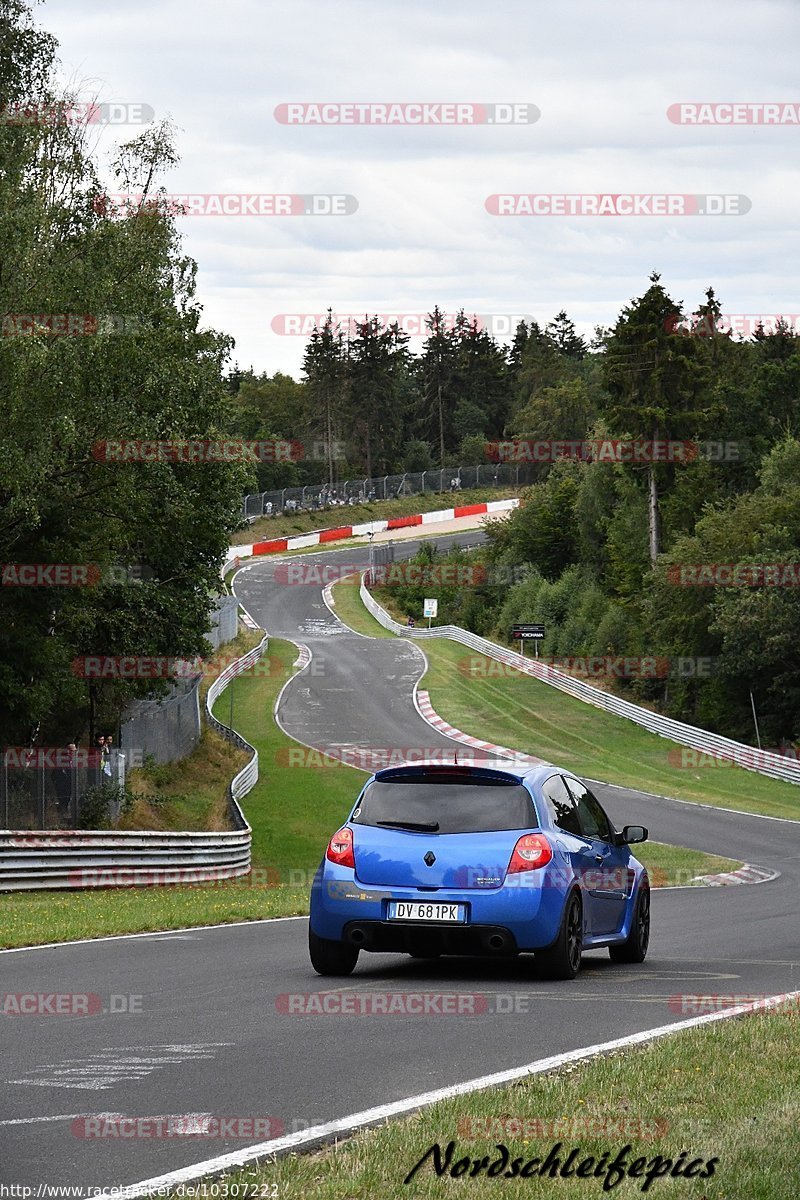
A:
x: 634, y: 948
x: 331, y: 958
x: 563, y: 958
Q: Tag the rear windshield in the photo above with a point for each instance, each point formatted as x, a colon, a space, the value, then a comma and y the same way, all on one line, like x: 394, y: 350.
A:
x: 455, y: 806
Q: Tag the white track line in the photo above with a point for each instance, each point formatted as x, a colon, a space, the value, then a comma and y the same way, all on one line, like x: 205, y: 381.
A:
x: 739, y: 812
x: 382, y: 1112
x: 153, y: 933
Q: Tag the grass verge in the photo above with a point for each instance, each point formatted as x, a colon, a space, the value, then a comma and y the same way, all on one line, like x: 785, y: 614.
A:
x: 480, y: 696
x: 191, y: 794
x: 358, y: 514
x: 524, y: 714
x: 293, y: 810
x: 725, y: 1092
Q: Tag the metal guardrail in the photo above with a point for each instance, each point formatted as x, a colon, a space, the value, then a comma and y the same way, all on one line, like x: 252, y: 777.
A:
x: 319, y: 496
x: 764, y: 762
x: 248, y: 776
x: 32, y: 860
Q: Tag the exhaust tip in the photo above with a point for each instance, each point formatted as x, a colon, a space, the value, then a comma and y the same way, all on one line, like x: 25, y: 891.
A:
x: 358, y: 937
x: 497, y: 942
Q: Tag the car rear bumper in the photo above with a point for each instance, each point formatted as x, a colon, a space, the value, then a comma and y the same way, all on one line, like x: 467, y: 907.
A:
x: 406, y: 937
x: 523, y: 915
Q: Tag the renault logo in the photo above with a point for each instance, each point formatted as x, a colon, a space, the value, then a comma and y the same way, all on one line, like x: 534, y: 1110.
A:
x: 430, y: 858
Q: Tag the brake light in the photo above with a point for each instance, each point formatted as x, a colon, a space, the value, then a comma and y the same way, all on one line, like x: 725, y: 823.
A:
x: 531, y: 851
x: 340, y: 848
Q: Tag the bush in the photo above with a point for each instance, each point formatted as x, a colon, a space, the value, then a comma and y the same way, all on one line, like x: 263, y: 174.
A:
x: 100, y: 802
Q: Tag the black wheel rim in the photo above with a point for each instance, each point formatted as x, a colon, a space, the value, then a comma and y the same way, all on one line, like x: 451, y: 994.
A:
x: 574, y: 938
x: 644, y: 919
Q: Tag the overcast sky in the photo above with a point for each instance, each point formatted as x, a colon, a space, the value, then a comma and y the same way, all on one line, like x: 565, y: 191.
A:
x: 601, y: 72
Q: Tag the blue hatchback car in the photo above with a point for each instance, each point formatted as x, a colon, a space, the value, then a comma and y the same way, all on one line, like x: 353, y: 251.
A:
x: 497, y: 859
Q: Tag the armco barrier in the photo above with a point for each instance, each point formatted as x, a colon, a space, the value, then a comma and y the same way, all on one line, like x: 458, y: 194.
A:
x: 763, y: 762
x: 98, y: 859
x: 321, y: 536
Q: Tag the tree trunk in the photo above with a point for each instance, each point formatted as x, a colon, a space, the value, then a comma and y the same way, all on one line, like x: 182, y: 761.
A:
x: 441, y: 422
x: 329, y: 436
x: 653, y: 515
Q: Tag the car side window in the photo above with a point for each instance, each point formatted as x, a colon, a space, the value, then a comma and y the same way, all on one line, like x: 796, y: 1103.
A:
x: 594, y: 822
x: 561, y: 805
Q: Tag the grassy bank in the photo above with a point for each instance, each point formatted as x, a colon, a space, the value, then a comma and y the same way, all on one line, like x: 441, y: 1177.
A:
x: 293, y: 810
x: 294, y: 524
x: 725, y: 1092
x: 496, y: 702
x: 297, y: 803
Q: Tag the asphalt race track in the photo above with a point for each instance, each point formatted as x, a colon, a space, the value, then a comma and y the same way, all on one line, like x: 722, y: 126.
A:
x: 210, y: 1037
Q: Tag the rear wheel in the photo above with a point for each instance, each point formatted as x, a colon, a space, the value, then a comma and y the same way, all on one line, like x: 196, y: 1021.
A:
x: 634, y: 948
x: 331, y: 958
x: 563, y: 958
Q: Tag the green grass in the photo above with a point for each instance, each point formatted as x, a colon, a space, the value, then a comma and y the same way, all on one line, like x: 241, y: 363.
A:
x: 726, y: 1091
x: 669, y: 866
x: 481, y: 696
x: 293, y: 811
x: 350, y: 610
x: 295, y: 524
x: 294, y: 808
x: 677, y: 866
x: 30, y: 919
x: 518, y: 711
x: 485, y: 698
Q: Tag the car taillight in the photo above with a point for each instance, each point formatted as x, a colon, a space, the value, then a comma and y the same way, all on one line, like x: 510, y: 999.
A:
x: 531, y: 851
x: 340, y: 848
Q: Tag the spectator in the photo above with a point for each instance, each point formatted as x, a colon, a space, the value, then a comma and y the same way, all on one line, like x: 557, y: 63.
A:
x: 106, y: 757
x: 410, y: 623
x: 63, y: 781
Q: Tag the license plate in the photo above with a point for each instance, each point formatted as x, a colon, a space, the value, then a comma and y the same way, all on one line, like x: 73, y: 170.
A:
x: 423, y: 910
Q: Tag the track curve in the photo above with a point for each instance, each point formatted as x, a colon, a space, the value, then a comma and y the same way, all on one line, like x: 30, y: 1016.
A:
x: 211, y: 1037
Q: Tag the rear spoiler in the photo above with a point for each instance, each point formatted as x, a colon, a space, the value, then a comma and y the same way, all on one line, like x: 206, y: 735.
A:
x: 450, y: 772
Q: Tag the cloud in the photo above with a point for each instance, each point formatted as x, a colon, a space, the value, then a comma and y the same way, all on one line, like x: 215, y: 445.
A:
x: 602, y: 73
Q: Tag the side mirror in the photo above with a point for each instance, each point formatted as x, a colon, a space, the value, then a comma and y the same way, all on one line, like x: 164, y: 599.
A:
x: 634, y: 833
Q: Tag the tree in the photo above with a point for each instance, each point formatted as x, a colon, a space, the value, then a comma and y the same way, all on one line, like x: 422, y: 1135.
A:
x: 137, y: 367
x: 651, y: 379
x: 565, y: 337
x: 325, y: 371
x: 437, y: 370
x: 544, y: 529
x: 378, y: 389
